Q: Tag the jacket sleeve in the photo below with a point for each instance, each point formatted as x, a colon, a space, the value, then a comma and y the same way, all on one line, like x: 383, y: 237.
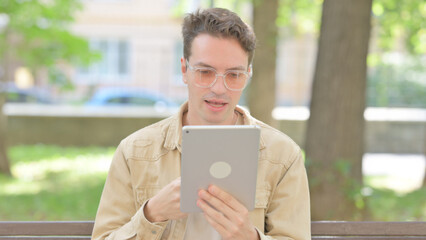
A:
x: 118, y: 216
x: 288, y: 214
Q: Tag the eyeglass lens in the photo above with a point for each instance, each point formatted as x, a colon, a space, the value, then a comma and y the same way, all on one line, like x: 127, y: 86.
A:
x: 234, y: 80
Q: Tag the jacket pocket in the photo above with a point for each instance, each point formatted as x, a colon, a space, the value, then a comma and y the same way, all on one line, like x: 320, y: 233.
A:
x: 147, y: 150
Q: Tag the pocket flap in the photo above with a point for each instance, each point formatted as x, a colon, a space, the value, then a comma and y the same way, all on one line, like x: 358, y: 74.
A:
x: 262, y: 198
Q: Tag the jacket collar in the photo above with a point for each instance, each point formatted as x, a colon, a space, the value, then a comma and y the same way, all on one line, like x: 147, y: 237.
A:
x: 174, y: 132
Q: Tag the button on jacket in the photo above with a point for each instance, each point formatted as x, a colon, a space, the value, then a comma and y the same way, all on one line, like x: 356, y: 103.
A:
x: 149, y: 159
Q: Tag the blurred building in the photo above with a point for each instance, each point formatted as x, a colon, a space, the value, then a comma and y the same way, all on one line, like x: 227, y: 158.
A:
x: 140, y: 43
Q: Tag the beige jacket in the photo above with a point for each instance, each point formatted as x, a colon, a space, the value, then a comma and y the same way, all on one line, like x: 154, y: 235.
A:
x: 149, y: 159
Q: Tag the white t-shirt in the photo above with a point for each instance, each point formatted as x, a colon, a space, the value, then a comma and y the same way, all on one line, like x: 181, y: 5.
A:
x: 197, y: 227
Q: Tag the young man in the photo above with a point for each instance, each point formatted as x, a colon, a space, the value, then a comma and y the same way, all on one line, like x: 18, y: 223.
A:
x: 142, y: 192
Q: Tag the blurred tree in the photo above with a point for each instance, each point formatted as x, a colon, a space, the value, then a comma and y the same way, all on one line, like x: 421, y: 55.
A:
x: 35, y: 34
x: 424, y: 178
x: 261, y: 91
x: 295, y: 17
x: 334, y: 141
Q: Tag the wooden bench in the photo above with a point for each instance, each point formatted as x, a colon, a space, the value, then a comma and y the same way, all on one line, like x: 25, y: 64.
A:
x: 320, y: 230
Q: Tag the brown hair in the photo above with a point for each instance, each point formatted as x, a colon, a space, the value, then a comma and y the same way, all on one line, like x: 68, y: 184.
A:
x: 218, y: 22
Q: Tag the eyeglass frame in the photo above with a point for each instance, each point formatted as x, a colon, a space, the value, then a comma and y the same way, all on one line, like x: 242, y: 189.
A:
x: 249, y: 74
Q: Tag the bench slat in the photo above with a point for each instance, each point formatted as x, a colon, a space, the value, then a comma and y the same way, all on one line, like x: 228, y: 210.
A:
x: 368, y: 228
x: 44, y: 238
x: 78, y: 230
x: 366, y: 238
x: 72, y: 228
x: 313, y: 238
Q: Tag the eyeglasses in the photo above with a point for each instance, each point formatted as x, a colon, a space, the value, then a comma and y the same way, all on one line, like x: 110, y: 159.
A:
x: 205, y: 77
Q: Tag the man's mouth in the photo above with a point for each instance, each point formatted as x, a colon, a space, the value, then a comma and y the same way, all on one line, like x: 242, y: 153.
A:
x: 214, y: 103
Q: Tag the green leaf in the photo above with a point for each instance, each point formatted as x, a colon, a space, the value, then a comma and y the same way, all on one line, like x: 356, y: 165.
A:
x: 38, y: 34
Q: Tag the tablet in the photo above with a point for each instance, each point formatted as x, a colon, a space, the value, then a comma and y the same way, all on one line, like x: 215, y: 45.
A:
x: 226, y: 156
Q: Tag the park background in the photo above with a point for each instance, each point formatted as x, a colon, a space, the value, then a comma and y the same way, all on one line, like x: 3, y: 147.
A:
x: 367, y: 156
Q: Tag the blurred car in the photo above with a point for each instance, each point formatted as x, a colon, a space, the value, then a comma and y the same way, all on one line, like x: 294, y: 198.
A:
x: 30, y: 95
x: 129, y: 97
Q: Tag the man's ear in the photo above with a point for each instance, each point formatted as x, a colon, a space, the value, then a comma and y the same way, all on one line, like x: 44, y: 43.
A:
x: 183, y: 69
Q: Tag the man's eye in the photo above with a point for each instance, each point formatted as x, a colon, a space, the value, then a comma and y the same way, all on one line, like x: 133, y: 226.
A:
x: 233, y: 74
x: 205, y: 72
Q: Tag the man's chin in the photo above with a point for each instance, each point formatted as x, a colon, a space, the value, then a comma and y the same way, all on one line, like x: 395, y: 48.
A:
x: 217, y: 120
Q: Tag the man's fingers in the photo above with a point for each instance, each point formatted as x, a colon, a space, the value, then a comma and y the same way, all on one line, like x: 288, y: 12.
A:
x: 215, y: 217
x: 226, y: 198
x: 219, y: 228
x: 226, y: 228
x: 217, y: 207
x: 216, y: 203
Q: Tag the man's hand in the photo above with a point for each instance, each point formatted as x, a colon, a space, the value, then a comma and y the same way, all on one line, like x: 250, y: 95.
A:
x: 228, y: 216
x: 166, y: 204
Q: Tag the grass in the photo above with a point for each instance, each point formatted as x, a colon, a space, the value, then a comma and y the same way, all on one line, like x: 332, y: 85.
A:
x: 390, y: 205
x: 56, y: 183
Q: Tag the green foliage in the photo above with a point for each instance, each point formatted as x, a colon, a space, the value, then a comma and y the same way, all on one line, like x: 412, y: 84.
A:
x: 36, y: 34
x: 401, y: 19
x: 302, y: 16
x: 397, y: 85
x: 393, y: 19
x: 58, y: 78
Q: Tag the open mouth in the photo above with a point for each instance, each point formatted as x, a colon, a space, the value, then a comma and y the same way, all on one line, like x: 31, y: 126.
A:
x: 215, y: 104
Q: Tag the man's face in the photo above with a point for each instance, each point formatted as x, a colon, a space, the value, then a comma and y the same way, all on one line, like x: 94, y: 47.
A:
x: 214, y: 105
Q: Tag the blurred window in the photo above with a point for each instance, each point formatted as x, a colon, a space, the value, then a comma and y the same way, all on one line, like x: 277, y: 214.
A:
x: 114, y: 65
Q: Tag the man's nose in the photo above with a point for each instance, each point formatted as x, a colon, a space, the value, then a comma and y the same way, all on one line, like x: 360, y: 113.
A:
x: 219, y: 86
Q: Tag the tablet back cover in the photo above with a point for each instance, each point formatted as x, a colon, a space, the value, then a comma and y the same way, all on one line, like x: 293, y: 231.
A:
x: 226, y: 156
